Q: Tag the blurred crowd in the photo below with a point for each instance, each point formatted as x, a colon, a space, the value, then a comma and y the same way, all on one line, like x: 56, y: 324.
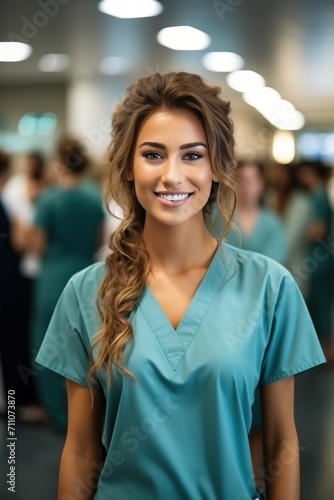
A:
x: 53, y: 224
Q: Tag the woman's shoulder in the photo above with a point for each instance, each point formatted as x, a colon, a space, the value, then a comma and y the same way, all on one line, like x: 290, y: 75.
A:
x: 87, y: 281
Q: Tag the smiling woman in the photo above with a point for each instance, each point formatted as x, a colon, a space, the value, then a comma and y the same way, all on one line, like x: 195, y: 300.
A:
x: 172, y: 168
x: 173, y: 334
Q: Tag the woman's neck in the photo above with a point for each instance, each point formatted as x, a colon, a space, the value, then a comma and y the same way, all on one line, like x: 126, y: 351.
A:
x: 178, y: 249
x: 68, y: 180
x: 247, y: 218
x: 247, y: 208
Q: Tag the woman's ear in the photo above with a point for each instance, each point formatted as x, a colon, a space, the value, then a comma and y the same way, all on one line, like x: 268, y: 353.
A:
x: 129, y: 175
x: 215, y: 177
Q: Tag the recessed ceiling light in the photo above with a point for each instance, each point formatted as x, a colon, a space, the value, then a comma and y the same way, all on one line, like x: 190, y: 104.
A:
x: 53, y: 63
x: 114, y: 65
x: 285, y: 106
x: 130, y: 9
x: 284, y: 116
x: 295, y: 122
x: 222, y: 61
x: 183, y: 38
x: 14, y: 51
x: 283, y: 148
x: 279, y: 114
x: 262, y: 97
x: 245, y: 80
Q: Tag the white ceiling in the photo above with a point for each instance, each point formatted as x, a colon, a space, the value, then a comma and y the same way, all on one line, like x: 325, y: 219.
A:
x: 291, y: 43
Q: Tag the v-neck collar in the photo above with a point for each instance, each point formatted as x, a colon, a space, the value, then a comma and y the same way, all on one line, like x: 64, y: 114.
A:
x: 175, y: 342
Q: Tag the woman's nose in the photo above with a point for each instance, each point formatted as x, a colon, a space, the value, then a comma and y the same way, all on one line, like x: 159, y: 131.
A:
x: 172, y: 172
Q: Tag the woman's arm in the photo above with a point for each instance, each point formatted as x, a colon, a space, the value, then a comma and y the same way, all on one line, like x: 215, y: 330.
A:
x: 82, y: 457
x: 19, y: 235
x: 36, y: 240
x: 28, y: 238
x: 280, y: 441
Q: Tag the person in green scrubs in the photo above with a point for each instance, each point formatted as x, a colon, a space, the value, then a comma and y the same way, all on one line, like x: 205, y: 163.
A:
x: 319, y: 263
x: 257, y: 228
x: 293, y: 205
x: 164, y: 344
x: 67, y: 232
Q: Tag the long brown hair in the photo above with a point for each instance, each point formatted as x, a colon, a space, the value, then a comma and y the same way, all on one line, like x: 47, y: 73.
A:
x: 128, y: 264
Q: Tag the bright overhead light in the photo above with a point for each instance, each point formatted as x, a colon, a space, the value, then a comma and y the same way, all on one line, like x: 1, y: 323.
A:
x: 261, y: 98
x: 279, y: 112
x: 285, y: 116
x: 14, y: 51
x: 130, y: 9
x: 114, y: 65
x: 222, y: 61
x: 283, y: 148
x: 245, y: 80
x: 53, y: 63
x: 183, y: 38
x: 296, y: 122
x: 285, y: 107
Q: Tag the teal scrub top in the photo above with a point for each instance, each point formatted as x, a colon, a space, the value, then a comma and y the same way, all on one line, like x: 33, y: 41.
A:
x: 181, y: 430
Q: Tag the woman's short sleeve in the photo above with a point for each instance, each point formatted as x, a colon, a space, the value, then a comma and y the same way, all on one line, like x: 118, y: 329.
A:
x: 65, y: 349
x: 293, y: 344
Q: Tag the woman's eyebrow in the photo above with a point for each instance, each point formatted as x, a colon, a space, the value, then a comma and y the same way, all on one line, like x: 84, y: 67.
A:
x: 193, y: 145
x: 157, y: 145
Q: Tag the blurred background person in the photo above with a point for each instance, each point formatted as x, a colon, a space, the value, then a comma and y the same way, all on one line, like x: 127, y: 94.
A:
x: 20, y: 195
x: 14, y: 309
x: 257, y: 227
x: 67, y: 232
x: 293, y: 205
x: 314, y: 176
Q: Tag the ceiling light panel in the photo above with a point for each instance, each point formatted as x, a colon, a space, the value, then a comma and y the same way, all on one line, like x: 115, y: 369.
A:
x: 283, y: 148
x: 54, y: 63
x: 130, y: 9
x: 294, y: 120
x: 14, y: 51
x: 183, y: 38
x: 223, y: 62
x: 261, y: 98
x: 245, y: 80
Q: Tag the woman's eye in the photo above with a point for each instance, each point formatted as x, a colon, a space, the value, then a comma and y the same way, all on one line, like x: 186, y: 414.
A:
x: 152, y: 156
x: 192, y: 156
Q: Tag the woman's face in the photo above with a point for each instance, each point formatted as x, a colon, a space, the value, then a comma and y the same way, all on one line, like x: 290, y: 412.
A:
x: 172, y: 171
x: 251, y: 185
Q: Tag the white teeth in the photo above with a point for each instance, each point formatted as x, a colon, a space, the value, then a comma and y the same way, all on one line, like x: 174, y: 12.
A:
x: 173, y: 197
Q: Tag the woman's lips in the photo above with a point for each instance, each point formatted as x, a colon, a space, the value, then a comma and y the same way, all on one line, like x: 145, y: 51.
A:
x: 173, y: 199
